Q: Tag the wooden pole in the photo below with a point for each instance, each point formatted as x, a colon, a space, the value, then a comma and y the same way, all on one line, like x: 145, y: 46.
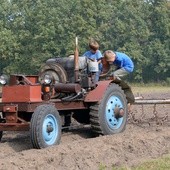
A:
x: 76, y: 62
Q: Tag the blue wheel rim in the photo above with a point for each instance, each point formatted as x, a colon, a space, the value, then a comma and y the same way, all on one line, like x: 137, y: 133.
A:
x: 112, y: 121
x: 50, y: 136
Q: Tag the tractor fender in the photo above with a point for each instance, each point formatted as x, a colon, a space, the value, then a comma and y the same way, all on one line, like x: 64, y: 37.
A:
x: 97, y: 94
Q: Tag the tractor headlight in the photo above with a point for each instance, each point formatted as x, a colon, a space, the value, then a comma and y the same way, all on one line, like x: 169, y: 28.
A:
x: 3, y: 79
x: 47, y: 79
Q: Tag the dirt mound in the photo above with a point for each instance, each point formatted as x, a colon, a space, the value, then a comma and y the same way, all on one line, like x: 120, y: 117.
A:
x: 79, y: 149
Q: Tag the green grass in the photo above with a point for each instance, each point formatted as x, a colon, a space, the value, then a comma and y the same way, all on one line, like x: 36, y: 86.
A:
x: 157, y: 164
x: 162, y: 163
x: 149, y: 88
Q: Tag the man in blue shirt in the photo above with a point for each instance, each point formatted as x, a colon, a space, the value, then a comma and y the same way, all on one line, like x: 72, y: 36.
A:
x: 94, y: 54
x: 123, y: 63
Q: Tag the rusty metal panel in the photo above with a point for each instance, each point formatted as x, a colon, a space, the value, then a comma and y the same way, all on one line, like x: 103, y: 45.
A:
x: 14, y: 126
x: 33, y: 79
x: 97, y: 94
x: 10, y: 108
x: 11, y: 113
x: 21, y: 93
x: 11, y: 117
x: 60, y: 105
x: 23, y: 106
x: 28, y: 79
x: 70, y: 105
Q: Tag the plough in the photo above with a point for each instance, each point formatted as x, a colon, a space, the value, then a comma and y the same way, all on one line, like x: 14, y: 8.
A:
x: 159, y: 120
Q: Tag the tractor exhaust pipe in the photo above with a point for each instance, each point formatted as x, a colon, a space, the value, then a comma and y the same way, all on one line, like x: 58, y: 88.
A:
x: 76, y: 62
x: 67, y: 88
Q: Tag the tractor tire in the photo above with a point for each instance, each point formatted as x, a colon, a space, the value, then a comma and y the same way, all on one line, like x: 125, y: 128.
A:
x: 103, y: 117
x: 45, y: 127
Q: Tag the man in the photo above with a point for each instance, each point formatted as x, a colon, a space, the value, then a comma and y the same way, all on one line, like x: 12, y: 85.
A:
x: 123, y: 63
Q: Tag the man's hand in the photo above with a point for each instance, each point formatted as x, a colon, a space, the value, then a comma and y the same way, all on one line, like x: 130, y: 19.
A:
x: 113, y: 77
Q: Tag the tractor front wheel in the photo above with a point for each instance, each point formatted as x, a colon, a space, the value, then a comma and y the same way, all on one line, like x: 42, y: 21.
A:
x: 109, y: 116
x: 45, y: 127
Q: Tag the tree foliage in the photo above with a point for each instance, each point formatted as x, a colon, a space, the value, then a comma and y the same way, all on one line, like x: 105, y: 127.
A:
x: 33, y: 31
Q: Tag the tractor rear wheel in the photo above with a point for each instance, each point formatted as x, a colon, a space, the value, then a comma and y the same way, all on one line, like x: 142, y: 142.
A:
x: 45, y: 127
x: 110, y: 115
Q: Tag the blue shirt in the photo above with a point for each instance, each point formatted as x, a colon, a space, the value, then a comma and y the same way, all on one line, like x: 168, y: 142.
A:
x: 123, y: 61
x: 93, y: 56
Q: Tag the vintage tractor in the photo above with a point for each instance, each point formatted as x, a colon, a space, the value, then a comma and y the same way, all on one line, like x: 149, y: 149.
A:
x: 65, y: 90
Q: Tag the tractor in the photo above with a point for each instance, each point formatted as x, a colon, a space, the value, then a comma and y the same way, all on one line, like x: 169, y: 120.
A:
x: 65, y: 90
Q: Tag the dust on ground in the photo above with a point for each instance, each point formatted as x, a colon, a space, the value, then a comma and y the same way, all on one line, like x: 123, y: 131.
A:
x: 145, y: 137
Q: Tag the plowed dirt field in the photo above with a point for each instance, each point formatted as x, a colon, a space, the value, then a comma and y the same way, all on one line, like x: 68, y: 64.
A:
x: 146, y: 137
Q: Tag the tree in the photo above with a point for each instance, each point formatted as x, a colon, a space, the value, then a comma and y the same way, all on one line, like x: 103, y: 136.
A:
x: 33, y: 31
x: 158, y: 48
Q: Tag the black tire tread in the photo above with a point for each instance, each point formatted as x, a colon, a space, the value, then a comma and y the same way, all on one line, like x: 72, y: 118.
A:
x: 95, y: 120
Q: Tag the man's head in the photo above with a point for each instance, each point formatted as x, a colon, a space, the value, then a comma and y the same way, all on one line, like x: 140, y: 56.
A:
x: 94, y: 46
x: 109, y: 56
